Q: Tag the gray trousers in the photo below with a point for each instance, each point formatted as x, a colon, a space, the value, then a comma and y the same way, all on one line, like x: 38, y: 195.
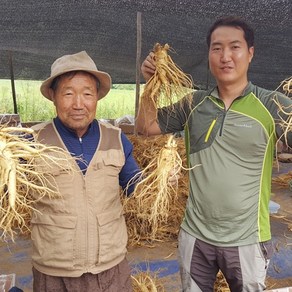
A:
x: 244, y: 267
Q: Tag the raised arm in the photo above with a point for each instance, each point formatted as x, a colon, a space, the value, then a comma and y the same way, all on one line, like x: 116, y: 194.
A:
x: 146, y: 122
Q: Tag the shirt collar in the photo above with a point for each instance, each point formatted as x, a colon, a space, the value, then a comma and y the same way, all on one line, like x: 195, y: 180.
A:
x: 64, y: 129
x: 249, y: 88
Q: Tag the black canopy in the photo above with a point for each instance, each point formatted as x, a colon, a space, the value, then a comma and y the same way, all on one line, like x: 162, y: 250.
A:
x: 37, y: 32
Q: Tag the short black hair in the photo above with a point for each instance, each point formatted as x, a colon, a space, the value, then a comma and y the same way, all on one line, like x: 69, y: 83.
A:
x: 233, y: 22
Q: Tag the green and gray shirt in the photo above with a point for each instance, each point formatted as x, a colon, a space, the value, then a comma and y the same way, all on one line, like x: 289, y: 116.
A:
x: 228, y: 203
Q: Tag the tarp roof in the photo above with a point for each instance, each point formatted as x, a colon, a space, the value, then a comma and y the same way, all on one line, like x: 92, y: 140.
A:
x: 38, y: 32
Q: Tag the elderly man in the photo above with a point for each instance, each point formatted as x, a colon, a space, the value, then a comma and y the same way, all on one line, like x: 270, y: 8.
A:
x: 79, y: 240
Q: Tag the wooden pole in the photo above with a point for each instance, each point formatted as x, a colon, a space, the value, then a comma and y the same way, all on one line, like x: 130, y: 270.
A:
x: 12, y: 81
x: 138, y: 61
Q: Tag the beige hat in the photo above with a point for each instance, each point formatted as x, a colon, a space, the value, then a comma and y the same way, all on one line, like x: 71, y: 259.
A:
x: 77, y: 62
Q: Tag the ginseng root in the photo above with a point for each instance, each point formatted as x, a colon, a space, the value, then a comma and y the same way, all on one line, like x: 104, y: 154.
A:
x: 153, y: 193
x: 24, y: 178
x: 169, y: 83
x: 285, y: 123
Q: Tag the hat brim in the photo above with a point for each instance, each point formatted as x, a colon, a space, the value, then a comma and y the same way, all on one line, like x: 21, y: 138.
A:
x: 104, y: 80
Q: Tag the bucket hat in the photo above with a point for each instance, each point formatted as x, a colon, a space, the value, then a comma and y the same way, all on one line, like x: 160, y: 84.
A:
x: 76, y: 62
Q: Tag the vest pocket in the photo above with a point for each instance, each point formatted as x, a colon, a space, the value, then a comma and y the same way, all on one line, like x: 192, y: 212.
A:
x: 52, y: 238
x: 112, y: 159
x: 112, y: 235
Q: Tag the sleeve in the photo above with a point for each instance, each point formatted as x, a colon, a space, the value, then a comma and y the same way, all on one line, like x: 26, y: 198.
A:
x: 172, y: 119
x: 280, y: 107
x: 130, y: 171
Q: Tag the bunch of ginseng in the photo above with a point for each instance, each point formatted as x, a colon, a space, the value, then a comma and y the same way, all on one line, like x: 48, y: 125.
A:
x: 153, y: 193
x: 169, y: 83
x: 24, y: 177
x: 285, y: 123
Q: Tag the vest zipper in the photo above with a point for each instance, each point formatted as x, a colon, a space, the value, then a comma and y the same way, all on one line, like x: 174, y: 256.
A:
x: 82, y: 152
x: 87, y: 220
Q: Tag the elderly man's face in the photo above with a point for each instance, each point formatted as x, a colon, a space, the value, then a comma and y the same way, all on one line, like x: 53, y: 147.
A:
x: 75, y: 99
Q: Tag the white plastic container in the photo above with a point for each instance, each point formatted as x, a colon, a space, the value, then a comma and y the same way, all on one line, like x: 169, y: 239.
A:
x: 287, y: 289
x: 7, y: 282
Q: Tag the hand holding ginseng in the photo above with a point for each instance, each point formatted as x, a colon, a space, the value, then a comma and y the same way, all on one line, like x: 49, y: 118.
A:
x: 153, y: 193
x: 166, y: 82
x: 174, y: 175
x: 148, y: 67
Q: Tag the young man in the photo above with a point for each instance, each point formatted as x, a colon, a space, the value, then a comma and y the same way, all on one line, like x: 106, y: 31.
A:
x: 79, y: 240
x: 231, y: 131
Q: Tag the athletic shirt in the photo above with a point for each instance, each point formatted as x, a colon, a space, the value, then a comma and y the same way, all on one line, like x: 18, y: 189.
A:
x: 228, y: 203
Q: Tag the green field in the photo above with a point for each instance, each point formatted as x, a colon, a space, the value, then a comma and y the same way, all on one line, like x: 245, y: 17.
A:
x: 32, y: 106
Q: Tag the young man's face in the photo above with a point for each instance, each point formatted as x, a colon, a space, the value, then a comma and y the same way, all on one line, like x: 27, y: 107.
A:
x: 229, y: 55
x: 75, y: 100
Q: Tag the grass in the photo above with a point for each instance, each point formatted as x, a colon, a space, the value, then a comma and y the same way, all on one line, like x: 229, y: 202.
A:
x: 32, y: 106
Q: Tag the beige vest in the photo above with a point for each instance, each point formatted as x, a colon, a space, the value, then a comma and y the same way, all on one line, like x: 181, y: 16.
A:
x: 84, y: 230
